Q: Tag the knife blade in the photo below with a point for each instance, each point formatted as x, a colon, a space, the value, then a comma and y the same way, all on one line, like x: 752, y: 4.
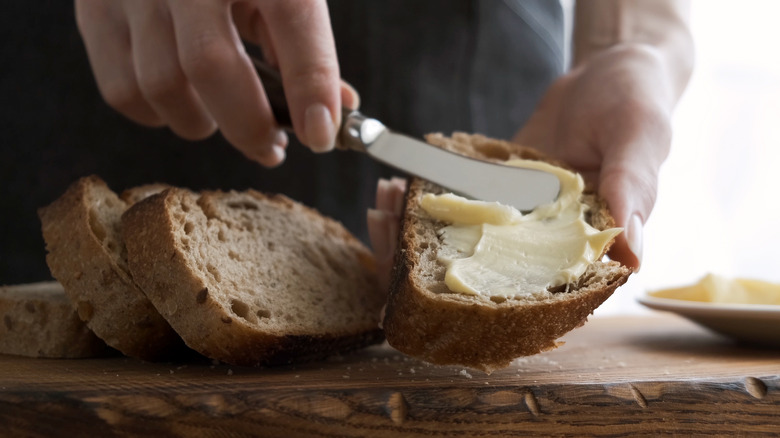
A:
x: 522, y: 188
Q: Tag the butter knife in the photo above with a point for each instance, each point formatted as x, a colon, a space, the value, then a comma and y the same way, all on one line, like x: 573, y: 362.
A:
x: 524, y: 189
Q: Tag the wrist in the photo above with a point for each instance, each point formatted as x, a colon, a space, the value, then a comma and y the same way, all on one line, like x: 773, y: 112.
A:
x: 663, y: 79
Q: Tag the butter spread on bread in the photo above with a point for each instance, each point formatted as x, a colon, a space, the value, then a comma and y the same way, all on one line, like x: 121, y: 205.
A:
x: 487, y: 243
x: 425, y: 319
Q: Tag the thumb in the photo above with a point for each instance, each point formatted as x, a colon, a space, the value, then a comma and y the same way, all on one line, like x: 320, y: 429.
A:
x: 628, y: 182
x: 349, y: 96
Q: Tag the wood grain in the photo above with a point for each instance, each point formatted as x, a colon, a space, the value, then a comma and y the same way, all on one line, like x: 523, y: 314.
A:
x: 615, y: 376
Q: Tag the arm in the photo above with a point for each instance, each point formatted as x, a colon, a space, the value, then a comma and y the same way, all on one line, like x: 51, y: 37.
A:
x: 660, y: 26
x: 610, y: 116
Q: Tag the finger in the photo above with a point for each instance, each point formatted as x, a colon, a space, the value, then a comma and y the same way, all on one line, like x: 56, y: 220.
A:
x: 303, y: 41
x: 106, y: 37
x: 384, y: 200
x: 251, y: 26
x: 349, y: 96
x: 378, y: 233
x: 213, y: 59
x: 629, y: 178
x: 398, y: 194
x: 159, y: 74
x: 383, y: 233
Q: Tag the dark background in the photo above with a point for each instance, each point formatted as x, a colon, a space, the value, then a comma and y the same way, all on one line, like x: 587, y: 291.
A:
x: 420, y: 67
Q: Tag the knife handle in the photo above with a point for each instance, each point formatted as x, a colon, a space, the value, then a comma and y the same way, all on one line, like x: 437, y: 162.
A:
x: 356, y: 132
x: 272, y: 83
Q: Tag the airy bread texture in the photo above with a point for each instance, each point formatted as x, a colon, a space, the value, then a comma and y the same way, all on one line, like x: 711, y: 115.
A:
x: 426, y: 320
x: 86, y: 254
x: 39, y: 321
x: 251, y: 279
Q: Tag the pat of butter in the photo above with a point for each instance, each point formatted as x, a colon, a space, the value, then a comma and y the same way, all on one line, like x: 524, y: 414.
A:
x: 494, y: 250
x: 720, y: 290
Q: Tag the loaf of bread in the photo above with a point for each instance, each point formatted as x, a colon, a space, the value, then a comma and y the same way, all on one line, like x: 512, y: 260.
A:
x: 251, y: 279
x: 86, y: 254
x: 427, y: 320
x: 39, y: 321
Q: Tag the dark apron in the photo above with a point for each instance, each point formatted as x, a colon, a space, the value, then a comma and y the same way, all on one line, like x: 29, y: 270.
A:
x: 420, y: 66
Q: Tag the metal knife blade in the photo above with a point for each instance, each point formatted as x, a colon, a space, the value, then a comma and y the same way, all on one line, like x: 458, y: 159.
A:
x: 524, y: 189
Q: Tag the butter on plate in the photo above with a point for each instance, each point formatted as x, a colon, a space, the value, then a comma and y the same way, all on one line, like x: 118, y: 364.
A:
x: 721, y: 290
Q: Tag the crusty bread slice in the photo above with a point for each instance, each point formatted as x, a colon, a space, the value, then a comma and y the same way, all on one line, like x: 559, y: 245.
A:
x: 82, y: 230
x: 251, y: 279
x: 425, y: 319
x: 139, y: 193
x: 39, y: 321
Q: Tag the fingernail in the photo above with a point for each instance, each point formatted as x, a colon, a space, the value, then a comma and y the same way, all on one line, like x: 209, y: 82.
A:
x: 319, y: 128
x: 273, y: 158
x: 382, y: 192
x: 634, y: 237
x: 281, y: 138
x: 398, y: 181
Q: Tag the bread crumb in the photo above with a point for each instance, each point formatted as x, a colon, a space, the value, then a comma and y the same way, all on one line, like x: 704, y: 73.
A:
x: 465, y: 374
x: 229, y: 372
x: 411, y: 370
x: 297, y: 376
x: 171, y: 371
x: 345, y: 376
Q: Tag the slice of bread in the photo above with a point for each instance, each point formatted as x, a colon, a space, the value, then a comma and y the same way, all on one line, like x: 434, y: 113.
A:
x: 86, y: 254
x: 250, y: 279
x: 425, y: 319
x: 39, y: 321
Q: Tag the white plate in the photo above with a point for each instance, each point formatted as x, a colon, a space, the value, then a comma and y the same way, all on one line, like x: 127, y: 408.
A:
x: 752, y: 323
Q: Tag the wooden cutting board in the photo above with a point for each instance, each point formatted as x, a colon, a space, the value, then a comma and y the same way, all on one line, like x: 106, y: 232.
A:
x: 615, y: 376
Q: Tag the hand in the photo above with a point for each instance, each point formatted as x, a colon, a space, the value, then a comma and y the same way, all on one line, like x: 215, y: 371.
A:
x: 181, y: 63
x: 384, y: 224
x: 610, y: 119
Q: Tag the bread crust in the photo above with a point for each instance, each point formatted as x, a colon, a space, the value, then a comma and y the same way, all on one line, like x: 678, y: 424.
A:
x: 103, y: 293
x: 182, y: 295
x: 39, y: 321
x: 426, y: 320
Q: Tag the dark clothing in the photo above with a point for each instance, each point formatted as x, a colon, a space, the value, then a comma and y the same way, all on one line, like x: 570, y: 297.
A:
x: 420, y: 66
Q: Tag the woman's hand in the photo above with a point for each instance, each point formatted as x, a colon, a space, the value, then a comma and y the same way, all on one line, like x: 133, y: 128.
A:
x: 384, y: 223
x: 609, y: 118
x: 182, y: 64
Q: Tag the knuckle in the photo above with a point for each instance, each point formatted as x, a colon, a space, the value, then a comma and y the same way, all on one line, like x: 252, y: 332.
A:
x: 315, y: 78
x: 293, y: 10
x: 120, y: 95
x: 161, y: 85
x: 205, y: 56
